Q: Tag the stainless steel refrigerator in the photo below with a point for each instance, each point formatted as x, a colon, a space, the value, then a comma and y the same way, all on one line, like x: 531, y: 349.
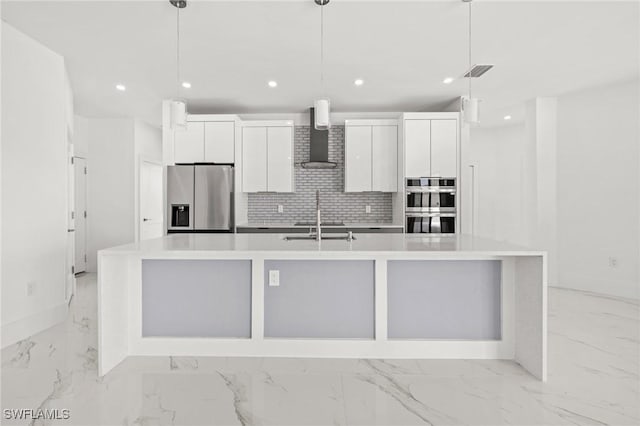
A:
x: 200, y: 198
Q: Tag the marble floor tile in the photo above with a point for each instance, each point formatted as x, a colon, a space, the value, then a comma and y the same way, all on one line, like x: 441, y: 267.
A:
x: 594, y: 379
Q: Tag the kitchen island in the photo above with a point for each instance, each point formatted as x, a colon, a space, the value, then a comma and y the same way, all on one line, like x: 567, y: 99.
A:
x: 379, y: 296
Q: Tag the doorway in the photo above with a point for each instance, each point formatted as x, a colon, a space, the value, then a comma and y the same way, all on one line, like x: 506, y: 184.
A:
x: 151, y: 209
x: 81, y: 214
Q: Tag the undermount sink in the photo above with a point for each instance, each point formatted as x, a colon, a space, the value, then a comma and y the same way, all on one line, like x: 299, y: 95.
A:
x: 348, y: 237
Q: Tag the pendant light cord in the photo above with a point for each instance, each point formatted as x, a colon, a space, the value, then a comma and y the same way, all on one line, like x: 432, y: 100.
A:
x: 322, y: 50
x: 469, y: 77
x: 178, y: 53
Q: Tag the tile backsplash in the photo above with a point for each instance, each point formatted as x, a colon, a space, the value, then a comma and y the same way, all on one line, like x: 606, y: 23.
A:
x: 335, y: 204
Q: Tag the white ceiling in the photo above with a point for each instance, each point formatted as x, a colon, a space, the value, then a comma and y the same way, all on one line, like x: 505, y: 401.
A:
x: 402, y: 49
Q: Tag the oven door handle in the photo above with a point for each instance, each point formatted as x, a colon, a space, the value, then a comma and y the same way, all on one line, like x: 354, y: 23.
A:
x: 441, y: 210
x: 408, y: 214
x: 431, y: 190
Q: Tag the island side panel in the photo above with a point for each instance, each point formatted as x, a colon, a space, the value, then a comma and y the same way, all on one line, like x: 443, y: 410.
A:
x: 531, y: 314
x: 114, y: 275
x: 196, y: 298
x: 320, y: 299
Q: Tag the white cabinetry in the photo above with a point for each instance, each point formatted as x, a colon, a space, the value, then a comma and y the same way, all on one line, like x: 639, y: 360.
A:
x: 280, y: 159
x: 385, y: 158
x: 219, y: 141
x: 371, y: 156
x: 189, y: 143
x: 417, y: 145
x: 267, y: 157
x: 431, y: 145
x: 207, y: 139
x: 254, y: 159
x: 357, y: 159
x: 444, y: 143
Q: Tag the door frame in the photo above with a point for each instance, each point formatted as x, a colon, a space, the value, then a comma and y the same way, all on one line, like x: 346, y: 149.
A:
x: 86, y: 199
x: 138, y: 225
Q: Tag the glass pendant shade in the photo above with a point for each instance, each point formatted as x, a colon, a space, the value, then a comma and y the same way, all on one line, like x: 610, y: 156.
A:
x: 471, y: 110
x: 322, y: 107
x: 178, y: 115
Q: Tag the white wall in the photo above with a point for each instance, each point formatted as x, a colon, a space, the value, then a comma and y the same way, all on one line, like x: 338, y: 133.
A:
x: 34, y: 186
x: 110, y: 186
x: 81, y: 136
x: 599, y: 189
x: 113, y: 149
x: 567, y: 181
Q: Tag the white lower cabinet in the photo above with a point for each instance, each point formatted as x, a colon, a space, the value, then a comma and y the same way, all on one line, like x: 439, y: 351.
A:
x: 267, y: 158
x: 371, y: 157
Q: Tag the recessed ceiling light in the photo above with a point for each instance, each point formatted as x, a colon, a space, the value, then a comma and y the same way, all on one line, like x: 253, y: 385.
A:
x: 273, y: 83
x: 359, y: 82
x: 121, y: 87
x: 186, y: 85
x: 448, y: 80
x: 507, y: 117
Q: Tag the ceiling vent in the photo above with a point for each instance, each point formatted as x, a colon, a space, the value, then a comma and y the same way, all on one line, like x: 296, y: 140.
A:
x: 477, y: 71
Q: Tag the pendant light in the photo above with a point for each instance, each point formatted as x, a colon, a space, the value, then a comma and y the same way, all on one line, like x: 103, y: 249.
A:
x: 470, y: 106
x: 322, y: 106
x: 178, y: 107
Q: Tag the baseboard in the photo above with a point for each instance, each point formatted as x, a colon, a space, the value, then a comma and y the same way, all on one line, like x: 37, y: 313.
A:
x: 628, y: 293
x: 34, y: 324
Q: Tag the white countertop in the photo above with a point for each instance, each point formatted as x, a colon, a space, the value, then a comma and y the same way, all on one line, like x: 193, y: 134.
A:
x: 345, y: 225
x: 364, y: 243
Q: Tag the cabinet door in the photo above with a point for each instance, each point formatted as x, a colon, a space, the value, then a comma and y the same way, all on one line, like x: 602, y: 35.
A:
x: 188, y: 145
x: 444, y: 152
x: 417, y: 147
x: 254, y: 159
x: 280, y: 159
x: 357, y: 159
x: 219, y: 141
x: 384, y: 149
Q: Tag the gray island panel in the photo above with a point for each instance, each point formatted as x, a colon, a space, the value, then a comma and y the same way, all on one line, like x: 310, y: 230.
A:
x: 444, y: 299
x: 196, y: 298
x: 320, y: 299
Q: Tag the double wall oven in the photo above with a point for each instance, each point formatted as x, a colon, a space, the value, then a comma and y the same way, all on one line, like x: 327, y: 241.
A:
x: 430, y: 205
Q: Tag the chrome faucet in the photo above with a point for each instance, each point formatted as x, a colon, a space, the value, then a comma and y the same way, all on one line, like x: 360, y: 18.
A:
x: 318, y: 230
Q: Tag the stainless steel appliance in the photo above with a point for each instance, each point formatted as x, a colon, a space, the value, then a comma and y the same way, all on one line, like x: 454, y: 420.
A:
x: 430, y: 205
x: 200, y: 198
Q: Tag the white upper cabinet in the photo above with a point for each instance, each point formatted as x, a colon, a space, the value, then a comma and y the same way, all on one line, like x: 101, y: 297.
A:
x: 385, y: 158
x: 417, y: 146
x: 189, y: 143
x: 280, y: 159
x: 207, y: 139
x: 267, y: 158
x: 371, y: 156
x: 357, y: 158
x: 254, y: 159
x: 219, y: 141
x: 431, y: 145
x: 444, y: 152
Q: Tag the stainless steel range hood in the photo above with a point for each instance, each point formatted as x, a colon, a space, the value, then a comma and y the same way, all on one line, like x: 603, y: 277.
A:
x: 319, y: 149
